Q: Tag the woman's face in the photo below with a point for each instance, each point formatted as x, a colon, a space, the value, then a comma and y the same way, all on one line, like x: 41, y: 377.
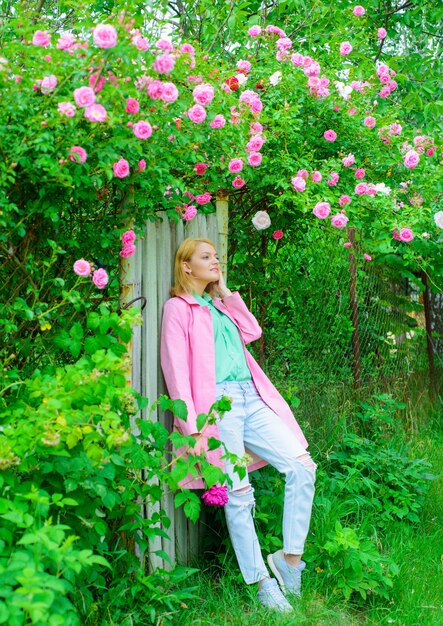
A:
x: 203, y: 266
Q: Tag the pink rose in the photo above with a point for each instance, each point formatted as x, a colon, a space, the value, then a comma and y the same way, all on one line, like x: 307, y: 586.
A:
x: 406, y: 235
x: 190, y: 213
x: 359, y: 10
x: 127, y: 250
x: 297, y: 59
x: 128, y: 237
x: 121, y: 168
x: 218, y: 121
x: 316, y: 176
x: 203, y: 94
x: 303, y: 174
x: 84, y: 96
x: 411, y: 159
x: 41, y: 38
x: 189, y: 195
x: 431, y: 151
x: 347, y: 244
x: 100, y: 278
x: 96, y: 113
x: 235, y: 165
x: 187, y: 48
x: 141, y: 165
x: 255, y: 143
x: 254, y: 31
x: 298, y: 183
x: 384, y: 92
x: 164, y: 64
x: 66, y: 41
x: 277, y: 234
x: 255, y: 158
x: 345, y: 48
x: 66, y: 108
x: 330, y: 135
x: 332, y: 182
x: 155, y: 89
x: 244, y: 66
x: 216, y: 496
x: 381, y: 33
x: 370, y: 121
x: 238, y: 182
x: 203, y: 198
x: 367, y: 257
x: 78, y: 154
x: 142, y: 129
x: 322, y: 210
x: 169, y: 92
x: 82, y: 267
x: 349, y: 160
x: 361, y: 189
x: 344, y: 200
x: 104, y: 36
x: 132, y: 106
x: 394, y: 129
x: 339, y: 220
x: 48, y: 84
x: 197, y: 114
x: 97, y: 82
x: 360, y: 173
x: 200, y: 168
x: 164, y: 44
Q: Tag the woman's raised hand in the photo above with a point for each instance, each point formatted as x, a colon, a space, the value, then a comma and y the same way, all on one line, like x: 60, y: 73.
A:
x: 222, y: 289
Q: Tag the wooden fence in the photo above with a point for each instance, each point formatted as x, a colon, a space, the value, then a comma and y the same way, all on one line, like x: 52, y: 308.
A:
x: 149, y: 274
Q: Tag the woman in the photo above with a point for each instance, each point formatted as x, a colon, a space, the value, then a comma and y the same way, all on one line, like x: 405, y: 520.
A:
x: 203, y: 358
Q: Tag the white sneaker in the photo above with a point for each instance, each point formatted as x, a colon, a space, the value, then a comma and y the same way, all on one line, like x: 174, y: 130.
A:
x: 271, y: 597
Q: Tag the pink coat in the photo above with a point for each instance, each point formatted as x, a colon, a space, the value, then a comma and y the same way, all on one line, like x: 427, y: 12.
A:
x: 188, y: 363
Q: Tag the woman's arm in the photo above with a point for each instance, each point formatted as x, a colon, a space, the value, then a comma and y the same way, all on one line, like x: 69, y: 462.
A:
x: 248, y: 325
x: 174, y: 358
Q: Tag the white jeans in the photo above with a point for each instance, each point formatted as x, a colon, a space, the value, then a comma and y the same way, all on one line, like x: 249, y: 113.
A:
x: 252, y: 424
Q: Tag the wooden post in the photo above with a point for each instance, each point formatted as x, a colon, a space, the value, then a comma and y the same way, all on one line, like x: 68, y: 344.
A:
x: 356, y: 364
x: 428, y: 325
x: 222, y: 211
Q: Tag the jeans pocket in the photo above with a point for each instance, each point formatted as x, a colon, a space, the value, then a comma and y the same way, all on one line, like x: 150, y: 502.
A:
x: 220, y: 391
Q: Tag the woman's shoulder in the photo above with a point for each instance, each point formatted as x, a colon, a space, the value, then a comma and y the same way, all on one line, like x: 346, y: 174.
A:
x: 176, y: 303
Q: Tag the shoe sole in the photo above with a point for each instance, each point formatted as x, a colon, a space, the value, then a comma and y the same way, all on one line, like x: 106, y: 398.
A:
x: 276, y: 572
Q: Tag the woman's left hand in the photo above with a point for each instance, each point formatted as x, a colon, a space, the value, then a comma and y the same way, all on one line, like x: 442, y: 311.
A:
x: 222, y: 289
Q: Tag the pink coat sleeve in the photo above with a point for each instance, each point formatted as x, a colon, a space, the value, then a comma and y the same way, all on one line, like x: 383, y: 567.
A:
x: 248, y: 325
x: 174, y: 358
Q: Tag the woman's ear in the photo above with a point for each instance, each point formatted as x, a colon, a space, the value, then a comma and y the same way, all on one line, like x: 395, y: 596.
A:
x: 186, y: 268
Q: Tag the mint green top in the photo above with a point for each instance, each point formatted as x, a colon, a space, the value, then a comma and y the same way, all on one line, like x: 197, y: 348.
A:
x: 230, y: 360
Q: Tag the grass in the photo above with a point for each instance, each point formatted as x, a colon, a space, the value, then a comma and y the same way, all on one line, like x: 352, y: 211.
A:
x: 417, y: 595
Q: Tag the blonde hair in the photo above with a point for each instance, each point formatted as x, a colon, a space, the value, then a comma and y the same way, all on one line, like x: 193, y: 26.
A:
x: 182, y: 280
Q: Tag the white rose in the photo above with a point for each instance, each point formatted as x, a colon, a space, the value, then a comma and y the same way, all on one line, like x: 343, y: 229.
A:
x: 241, y: 78
x: 382, y: 188
x: 261, y: 220
x: 275, y: 78
x: 438, y: 219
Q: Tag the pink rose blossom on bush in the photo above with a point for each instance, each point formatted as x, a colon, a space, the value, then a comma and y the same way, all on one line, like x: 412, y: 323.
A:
x: 216, y: 496
x: 339, y: 220
x: 128, y: 237
x: 395, y: 235
x: 255, y: 143
x: 361, y: 189
x: 411, y: 159
x: 303, y: 174
x: 360, y: 173
x: 127, y: 250
x: 330, y: 135
x: 277, y: 234
x: 431, y: 151
x: 316, y: 176
x: 297, y: 59
x: 244, y: 66
x: 41, y: 38
x: 164, y: 64
x: 121, y: 168
x: 254, y: 31
x: 66, y: 41
x: 66, y: 108
x: 345, y: 48
x: 84, y: 96
x: 359, y: 10
x: 203, y: 198
x: 298, y: 183
x: 132, y: 106
x: 322, y: 210
x: 104, y: 36
x: 370, y: 121
x: 384, y: 92
x: 394, y: 129
x: 197, y: 114
x: 164, y: 44
x: 82, y: 267
x: 347, y: 244
x: 155, y: 89
x: 255, y: 158
x: 349, y: 160
x: 141, y: 165
x: 190, y: 213
x: 78, y: 154
x: 218, y: 121
x: 169, y: 92
x: 187, y: 48
x: 238, y: 182
x: 200, y: 168
x: 100, y: 278
x: 344, y: 200
x: 406, y: 235
x: 203, y: 94
x: 96, y: 113
x: 381, y: 33
x: 142, y: 129
x: 371, y: 190
x: 332, y: 182
x: 367, y: 257
x: 48, y: 84
x: 235, y: 165
x: 188, y: 194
